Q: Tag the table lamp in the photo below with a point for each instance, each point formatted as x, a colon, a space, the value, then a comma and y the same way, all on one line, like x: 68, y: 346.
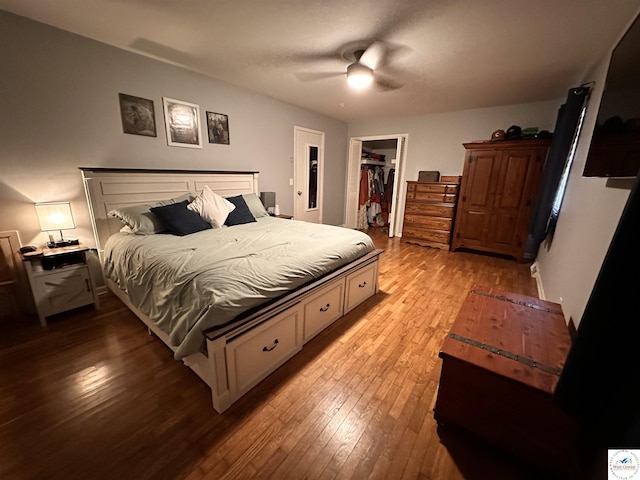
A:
x: 56, y: 216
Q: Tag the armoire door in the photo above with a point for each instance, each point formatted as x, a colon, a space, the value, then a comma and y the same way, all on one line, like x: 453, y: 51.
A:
x: 476, y: 198
x: 517, y: 173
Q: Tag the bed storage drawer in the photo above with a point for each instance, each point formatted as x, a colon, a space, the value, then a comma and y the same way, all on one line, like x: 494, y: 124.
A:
x: 360, y: 286
x: 324, y: 308
x: 255, y: 354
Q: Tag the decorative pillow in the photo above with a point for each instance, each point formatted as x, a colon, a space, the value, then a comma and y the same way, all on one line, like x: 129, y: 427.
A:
x: 255, y: 205
x: 179, y: 220
x: 241, y: 214
x: 139, y: 217
x: 212, y: 207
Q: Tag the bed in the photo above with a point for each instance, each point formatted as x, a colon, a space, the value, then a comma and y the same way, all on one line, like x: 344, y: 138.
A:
x: 250, y: 295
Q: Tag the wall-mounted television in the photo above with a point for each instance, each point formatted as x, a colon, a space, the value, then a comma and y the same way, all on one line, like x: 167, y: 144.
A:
x: 615, y: 146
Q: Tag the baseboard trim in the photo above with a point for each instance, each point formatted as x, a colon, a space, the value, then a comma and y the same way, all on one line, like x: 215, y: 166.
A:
x: 535, y: 273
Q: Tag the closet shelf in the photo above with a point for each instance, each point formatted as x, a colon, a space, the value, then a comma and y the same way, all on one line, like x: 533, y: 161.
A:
x: 373, y: 162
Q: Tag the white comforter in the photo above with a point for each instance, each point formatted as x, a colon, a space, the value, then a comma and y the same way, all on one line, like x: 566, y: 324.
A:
x: 189, y: 284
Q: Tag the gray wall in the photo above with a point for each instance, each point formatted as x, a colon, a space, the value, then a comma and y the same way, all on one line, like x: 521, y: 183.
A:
x: 588, y: 218
x: 60, y: 110
x: 435, y: 141
x: 590, y: 211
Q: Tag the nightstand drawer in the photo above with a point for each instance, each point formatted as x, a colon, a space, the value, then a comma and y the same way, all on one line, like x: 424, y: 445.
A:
x: 61, y: 290
x: 60, y: 279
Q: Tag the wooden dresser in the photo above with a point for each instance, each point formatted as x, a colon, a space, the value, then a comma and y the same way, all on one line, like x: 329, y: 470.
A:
x: 501, y: 362
x: 429, y: 211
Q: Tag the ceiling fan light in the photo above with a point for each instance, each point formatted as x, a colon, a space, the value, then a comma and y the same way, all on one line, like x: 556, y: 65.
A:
x: 359, y: 76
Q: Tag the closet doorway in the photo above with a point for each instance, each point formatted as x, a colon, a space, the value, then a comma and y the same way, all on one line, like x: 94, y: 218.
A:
x: 374, y: 201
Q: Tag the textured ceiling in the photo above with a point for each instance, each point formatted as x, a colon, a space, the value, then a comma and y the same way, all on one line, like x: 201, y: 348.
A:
x: 446, y: 55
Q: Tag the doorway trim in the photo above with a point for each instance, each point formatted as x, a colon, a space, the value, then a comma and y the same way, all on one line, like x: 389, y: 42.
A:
x: 353, y: 176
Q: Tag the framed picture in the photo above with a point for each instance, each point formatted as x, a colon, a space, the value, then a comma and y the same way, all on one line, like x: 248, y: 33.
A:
x: 218, y: 127
x: 182, y: 120
x: 138, y: 115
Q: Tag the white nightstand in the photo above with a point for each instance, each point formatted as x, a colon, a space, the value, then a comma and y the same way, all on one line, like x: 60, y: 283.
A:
x: 60, y: 280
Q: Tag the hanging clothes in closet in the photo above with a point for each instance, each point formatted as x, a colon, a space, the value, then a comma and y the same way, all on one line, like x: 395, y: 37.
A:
x: 388, y: 191
x: 370, y: 197
x: 313, y: 184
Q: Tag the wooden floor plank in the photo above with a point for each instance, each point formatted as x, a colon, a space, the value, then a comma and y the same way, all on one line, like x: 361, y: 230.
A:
x: 94, y: 396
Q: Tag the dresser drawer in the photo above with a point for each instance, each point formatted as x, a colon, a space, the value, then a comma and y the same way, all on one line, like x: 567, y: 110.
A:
x: 360, y: 286
x: 255, y: 354
x: 432, y: 209
x: 323, y: 309
x: 433, y: 188
x: 437, y: 236
x: 435, y: 223
x: 434, y: 197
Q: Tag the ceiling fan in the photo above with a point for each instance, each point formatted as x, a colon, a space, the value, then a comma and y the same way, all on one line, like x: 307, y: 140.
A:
x: 366, y: 62
x: 360, y: 72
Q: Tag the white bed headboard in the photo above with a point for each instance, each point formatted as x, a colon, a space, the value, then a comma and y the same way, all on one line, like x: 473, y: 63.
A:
x: 109, y: 188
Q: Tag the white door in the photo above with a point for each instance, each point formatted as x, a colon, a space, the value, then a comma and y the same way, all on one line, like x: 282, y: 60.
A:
x: 395, y: 216
x: 308, y: 173
x: 353, y: 183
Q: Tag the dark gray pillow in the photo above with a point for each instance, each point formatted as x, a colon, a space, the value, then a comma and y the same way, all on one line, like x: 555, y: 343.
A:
x: 139, y: 217
x: 241, y: 214
x: 179, y: 220
x: 255, y: 205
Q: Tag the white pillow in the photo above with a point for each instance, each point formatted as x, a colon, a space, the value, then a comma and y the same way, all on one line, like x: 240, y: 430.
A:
x: 212, y: 207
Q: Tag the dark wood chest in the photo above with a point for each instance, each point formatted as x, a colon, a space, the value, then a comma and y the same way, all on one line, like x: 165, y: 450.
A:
x: 500, y: 365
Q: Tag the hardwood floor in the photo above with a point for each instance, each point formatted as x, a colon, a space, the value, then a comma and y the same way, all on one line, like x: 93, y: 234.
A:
x: 93, y: 396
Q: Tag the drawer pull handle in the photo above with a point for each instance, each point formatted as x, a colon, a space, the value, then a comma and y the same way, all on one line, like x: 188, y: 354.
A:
x: 324, y: 309
x: 362, y: 285
x: 268, y: 349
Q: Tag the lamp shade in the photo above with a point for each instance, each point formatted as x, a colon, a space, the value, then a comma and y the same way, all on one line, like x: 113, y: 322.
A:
x: 55, y: 216
x: 359, y: 76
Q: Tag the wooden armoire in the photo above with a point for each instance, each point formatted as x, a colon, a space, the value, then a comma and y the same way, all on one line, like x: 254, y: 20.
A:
x: 499, y: 187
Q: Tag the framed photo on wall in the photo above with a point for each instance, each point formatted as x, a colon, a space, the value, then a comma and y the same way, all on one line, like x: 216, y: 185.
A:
x: 138, y: 115
x: 182, y: 120
x: 218, y: 127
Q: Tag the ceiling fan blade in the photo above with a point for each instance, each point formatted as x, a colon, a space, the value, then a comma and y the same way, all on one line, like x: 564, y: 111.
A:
x: 372, y: 56
x: 316, y: 76
x: 386, y: 84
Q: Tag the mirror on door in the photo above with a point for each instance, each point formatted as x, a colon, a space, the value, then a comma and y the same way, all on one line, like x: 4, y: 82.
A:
x: 312, y: 165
